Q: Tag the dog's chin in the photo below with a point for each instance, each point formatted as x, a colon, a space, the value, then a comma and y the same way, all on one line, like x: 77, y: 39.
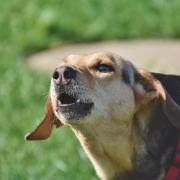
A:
x: 72, y: 108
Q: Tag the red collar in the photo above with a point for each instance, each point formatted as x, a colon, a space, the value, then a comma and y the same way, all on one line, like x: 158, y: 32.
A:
x: 173, y: 172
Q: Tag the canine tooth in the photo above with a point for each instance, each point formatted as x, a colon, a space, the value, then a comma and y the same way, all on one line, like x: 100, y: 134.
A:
x: 78, y: 100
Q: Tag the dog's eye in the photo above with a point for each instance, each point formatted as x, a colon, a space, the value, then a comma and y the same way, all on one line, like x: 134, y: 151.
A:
x: 104, y: 68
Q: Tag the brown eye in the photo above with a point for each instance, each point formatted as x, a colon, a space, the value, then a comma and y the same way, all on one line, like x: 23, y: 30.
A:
x: 104, y: 68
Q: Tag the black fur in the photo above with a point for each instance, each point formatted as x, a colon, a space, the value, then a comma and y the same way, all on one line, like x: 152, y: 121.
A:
x: 171, y: 84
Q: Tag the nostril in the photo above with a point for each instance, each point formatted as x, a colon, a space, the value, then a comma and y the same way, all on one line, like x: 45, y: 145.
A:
x: 56, y: 75
x: 69, y: 73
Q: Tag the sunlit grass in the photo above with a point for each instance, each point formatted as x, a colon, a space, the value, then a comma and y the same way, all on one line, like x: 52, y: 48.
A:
x: 33, y: 25
x: 23, y: 94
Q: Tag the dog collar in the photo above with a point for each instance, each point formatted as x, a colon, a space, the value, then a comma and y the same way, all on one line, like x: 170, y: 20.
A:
x: 173, y: 172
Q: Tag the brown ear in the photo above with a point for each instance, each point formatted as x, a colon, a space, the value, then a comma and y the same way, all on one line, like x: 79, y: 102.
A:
x: 43, y: 130
x: 147, y: 88
x: 144, y: 85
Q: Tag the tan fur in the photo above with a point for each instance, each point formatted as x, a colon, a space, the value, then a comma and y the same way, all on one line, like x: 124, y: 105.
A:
x: 106, y: 135
x: 114, y: 108
x: 104, y: 151
x: 110, y: 153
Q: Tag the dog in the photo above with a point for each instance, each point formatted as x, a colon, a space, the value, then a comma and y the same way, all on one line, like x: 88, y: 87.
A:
x: 126, y: 119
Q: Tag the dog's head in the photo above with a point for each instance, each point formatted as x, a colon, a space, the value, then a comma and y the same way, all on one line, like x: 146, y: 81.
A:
x: 99, y: 87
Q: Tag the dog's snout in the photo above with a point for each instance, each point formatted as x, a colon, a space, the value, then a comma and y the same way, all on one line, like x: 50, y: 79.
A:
x: 64, y: 74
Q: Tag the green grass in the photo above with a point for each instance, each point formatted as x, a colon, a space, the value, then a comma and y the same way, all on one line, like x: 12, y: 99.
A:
x: 23, y: 93
x: 28, y: 26
x: 33, y: 25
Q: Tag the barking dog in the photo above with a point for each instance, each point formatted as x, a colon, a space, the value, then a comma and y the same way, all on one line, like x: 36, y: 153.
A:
x: 124, y: 118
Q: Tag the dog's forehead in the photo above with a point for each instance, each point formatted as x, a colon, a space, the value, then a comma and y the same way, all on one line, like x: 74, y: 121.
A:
x: 85, y: 60
x: 75, y: 60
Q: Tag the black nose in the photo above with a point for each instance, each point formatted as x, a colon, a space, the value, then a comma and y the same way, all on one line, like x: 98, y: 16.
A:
x: 64, y: 73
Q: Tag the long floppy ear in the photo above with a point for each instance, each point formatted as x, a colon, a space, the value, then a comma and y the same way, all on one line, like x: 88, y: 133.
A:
x: 43, y: 130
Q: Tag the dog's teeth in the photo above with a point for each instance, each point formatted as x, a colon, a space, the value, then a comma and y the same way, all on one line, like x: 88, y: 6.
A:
x: 78, y: 101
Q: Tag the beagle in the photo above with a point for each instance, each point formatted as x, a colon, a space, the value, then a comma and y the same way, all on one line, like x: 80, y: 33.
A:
x: 125, y: 119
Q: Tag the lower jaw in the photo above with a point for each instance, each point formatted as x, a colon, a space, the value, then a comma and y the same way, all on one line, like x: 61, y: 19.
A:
x: 71, y: 116
x: 75, y: 111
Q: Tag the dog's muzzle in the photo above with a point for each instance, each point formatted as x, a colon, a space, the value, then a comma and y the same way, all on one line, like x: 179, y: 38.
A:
x: 70, y: 102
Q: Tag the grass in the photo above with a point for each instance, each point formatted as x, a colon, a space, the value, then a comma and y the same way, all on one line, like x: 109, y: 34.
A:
x: 33, y: 25
x: 23, y: 93
x: 28, y: 26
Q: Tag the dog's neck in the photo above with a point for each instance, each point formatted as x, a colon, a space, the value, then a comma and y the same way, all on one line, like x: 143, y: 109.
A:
x: 108, y: 145
x: 154, y: 140
x: 125, y: 148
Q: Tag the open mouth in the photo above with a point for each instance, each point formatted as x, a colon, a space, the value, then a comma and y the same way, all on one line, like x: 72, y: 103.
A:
x: 66, y: 99
x: 72, y: 107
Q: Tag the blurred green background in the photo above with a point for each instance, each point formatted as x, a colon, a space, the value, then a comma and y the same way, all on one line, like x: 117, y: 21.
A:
x: 30, y: 26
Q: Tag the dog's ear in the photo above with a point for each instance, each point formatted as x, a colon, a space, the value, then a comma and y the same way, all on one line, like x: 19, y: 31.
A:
x: 171, y: 110
x: 43, y: 130
x: 144, y: 85
x: 154, y: 90
x: 147, y: 88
